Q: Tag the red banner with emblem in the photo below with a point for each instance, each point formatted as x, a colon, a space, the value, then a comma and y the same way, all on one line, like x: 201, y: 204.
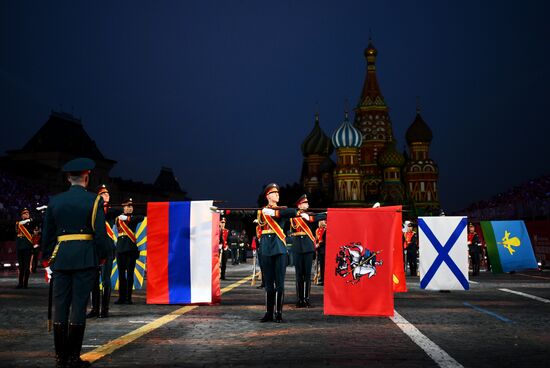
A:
x: 359, y: 263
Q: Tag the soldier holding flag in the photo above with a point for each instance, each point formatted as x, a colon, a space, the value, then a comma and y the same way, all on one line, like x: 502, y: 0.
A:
x: 24, y: 245
x: 126, y: 251
x: 102, y: 297
x: 303, y: 247
x: 271, y: 220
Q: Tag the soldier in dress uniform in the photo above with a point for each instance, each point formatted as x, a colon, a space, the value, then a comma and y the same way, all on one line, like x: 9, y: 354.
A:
x: 73, y: 242
x: 224, y: 247
x: 126, y: 251
x: 24, y: 246
x: 303, y: 246
x: 321, y: 237
x: 233, y: 240
x: 473, y: 248
x: 271, y: 220
x: 102, y: 297
x: 411, y: 246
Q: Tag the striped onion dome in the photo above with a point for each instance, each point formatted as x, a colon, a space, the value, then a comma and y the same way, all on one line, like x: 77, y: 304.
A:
x: 317, y: 141
x: 347, y: 135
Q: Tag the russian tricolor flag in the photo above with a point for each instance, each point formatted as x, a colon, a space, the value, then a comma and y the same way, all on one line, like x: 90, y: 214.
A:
x: 182, y: 253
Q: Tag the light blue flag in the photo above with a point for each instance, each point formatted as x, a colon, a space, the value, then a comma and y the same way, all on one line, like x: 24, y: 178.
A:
x: 511, y: 240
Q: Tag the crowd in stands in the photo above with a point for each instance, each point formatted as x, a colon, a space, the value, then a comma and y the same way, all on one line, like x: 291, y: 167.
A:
x: 15, y: 194
x: 528, y: 201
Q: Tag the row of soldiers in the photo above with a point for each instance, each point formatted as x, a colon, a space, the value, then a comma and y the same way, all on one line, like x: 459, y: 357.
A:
x: 78, y: 250
x: 272, y: 251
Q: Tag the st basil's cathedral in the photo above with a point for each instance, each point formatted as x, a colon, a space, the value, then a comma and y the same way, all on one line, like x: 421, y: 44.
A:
x: 368, y: 167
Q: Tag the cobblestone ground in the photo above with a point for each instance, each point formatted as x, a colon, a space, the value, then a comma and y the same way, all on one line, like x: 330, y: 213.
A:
x: 482, y: 327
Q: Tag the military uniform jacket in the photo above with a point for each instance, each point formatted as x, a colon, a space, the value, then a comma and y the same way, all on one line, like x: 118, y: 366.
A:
x: 125, y: 243
x: 302, y: 241
x: 272, y: 241
x: 110, y: 218
x: 70, y: 213
x: 24, y: 232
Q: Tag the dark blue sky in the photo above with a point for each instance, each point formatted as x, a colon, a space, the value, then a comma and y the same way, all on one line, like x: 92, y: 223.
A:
x: 225, y: 92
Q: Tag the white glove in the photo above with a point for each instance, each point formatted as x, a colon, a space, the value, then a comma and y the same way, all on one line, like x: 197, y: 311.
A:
x: 41, y: 208
x: 268, y: 212
x: 23, y: 222
x: 123, y: 217
x: 376, y: 205
x: 305, y: 216
x: 48, y: 273
x: 36, y: 245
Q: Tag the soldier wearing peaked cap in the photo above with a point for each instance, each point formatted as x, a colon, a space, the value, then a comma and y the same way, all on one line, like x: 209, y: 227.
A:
x: 24, y: 247
x: 101, y: 297
x: 224, y: 248
x: 73, y: 241
x: 410, y: 244
x: 473, y: 248
x: 126, y: 251
x: 271, y: 220
x: 303, y: 246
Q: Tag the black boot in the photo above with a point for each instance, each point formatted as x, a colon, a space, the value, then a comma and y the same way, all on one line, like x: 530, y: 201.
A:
x: 76, y: 335
x: 279, y: 300
x: 300, y: 294
x: 269, y: 304
x: 306, y: 294
x: 60, y: 343
x: 26, y: 276
x: 105, y: 304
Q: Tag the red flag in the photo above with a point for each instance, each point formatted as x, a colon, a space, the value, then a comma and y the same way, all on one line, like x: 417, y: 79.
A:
x: 359, y: 260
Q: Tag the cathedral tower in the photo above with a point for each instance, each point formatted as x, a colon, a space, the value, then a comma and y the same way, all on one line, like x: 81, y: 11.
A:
x: 421, y: 171
x: 316, y: 148
x: 348, y: 191
x: 372, y: 119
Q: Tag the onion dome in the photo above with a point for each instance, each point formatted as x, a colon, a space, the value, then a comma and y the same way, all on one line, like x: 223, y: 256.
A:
x: 419, y: 131
x: 347, y: 135
x: 317, y: 141
x: 390, y: 156
x: 327, y: 166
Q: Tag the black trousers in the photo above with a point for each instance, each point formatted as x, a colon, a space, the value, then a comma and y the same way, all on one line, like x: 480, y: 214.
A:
x: 274, y: 268
x: 302, y: 264
x: 71, y: 292
x: 223, y: 265
x: 321, y: 255
x: 103, y: 277
x: 126, y: 263
x: 474, y: 255
x: 412, y: 260
x: 24, y: 260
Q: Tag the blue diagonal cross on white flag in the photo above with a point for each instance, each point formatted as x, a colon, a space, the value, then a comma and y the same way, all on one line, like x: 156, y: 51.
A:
x: 443, y: 253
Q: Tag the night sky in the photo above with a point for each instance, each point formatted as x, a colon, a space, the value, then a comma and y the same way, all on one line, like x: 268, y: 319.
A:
x: 225, y: 92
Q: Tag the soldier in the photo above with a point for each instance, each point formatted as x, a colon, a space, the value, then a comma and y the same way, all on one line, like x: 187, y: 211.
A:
x: 36, y: 247
x: 73, y: 241
x: 303, y: 246
x: 271, y: 220
x: 321, y: 237
x: 411, y: 245
x: 224, y: 247
x: 233, y: 240
x: 243, y: 246
x: 103, y: 296
x: 126, y: 251
x: 24, y: 245
x: 473, y: 248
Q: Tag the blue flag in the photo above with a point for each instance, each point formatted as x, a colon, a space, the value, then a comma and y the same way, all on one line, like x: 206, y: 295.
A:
x: 508, y: 245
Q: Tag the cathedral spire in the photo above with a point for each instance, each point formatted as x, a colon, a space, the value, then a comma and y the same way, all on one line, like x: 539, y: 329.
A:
x: 371, y: 96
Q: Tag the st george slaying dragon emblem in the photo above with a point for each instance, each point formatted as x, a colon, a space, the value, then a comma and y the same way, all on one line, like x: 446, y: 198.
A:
x: 355, y: 260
